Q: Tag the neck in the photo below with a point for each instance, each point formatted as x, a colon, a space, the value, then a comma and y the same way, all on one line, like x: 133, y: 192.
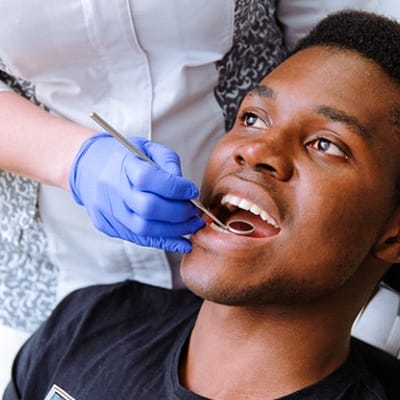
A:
x: 240, y: 353
x: 267, y: 352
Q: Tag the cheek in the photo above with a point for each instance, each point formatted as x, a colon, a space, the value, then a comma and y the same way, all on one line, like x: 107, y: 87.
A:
x: 333, y: 225
x: 221, y: 156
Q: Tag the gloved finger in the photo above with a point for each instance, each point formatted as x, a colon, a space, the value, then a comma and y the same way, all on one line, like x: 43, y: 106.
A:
x: 151, y: 206
x: 116, y: 229
x: 174, y: 245
x: 144, y: 227
x: 167, y: 159
x: 115, y: 212
x: 150, y: 178
x: 124, y: 200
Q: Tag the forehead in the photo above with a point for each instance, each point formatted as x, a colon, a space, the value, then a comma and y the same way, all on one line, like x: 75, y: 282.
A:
x: 337, y: 74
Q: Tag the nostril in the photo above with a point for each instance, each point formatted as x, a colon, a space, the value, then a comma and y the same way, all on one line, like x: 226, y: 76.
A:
x: 265, y: 156
x: 265, y: 167
x: 240, y: 160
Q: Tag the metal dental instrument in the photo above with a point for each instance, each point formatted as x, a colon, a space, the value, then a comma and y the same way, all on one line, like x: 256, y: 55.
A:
x: 248, y: 227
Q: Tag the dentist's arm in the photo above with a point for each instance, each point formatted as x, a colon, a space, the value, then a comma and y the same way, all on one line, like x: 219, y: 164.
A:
x: 124, y: 197
x: 35, y: 143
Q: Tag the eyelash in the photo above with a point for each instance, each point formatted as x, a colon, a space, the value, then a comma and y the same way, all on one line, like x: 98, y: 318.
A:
x: 312, y: 144
x: 246, y: 114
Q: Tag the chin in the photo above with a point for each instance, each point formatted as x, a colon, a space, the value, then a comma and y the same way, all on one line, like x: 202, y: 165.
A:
x: 218, y: 288
x: 232, y: 281
x: 201, y: 279
x: 193, y: 277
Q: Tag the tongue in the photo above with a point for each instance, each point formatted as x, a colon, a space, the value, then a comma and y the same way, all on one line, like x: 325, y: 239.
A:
x: 262, y: 228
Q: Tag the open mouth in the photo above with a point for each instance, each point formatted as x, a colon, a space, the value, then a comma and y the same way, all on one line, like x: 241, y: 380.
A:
x: 229, y: 208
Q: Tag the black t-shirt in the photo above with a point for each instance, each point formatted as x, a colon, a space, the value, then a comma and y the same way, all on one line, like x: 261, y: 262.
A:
x: 123, y: 341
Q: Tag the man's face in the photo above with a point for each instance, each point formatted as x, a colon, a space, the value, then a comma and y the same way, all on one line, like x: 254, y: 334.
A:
x: 314, y: 147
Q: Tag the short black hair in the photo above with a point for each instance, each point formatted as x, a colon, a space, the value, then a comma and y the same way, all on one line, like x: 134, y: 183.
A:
x: 374, y: 36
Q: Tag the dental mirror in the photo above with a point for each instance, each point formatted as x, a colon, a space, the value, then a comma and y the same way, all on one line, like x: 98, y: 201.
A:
x: 242, y: 227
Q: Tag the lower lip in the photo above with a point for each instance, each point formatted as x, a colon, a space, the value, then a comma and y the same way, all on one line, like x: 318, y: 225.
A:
x: 213, y: 239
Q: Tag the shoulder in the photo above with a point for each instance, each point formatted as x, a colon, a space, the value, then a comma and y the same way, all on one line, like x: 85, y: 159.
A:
x: 365, y: 375
x: 88, y: 320
x: 104, y: 304
x: 384, y: 367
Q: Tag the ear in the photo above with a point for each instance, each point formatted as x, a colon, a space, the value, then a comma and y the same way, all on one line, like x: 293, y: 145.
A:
x: 387, y: 248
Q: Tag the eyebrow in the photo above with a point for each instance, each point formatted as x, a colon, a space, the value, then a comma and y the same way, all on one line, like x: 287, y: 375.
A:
x: 351, y: 121
x: 329, y: 112
x: 264, y: 91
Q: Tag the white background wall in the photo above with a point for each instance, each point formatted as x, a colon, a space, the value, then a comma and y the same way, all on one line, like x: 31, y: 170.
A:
x: 390, y: 7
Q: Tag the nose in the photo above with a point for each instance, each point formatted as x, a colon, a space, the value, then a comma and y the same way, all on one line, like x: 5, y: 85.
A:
x: 265, y: 154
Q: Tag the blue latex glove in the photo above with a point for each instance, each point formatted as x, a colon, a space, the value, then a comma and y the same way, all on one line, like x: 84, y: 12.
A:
x: 132, y: 199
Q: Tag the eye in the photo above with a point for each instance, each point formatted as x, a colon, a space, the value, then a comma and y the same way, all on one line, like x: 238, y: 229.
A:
x: 253, y: 120
x: 326, y: 146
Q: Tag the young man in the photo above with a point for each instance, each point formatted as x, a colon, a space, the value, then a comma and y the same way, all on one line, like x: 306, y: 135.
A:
x: 313, y: 161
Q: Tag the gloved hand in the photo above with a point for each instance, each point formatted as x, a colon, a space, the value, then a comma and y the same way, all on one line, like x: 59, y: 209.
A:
x: 132, y: 199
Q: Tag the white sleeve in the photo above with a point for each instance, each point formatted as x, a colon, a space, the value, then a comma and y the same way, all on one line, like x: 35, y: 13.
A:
x: 299, y: 16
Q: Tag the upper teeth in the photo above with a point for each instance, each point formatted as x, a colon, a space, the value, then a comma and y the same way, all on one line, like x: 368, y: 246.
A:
x: 231, y: 202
